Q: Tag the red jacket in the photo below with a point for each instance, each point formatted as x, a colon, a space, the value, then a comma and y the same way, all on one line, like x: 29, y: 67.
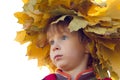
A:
x: 85, y: 75
x: 54, y: 77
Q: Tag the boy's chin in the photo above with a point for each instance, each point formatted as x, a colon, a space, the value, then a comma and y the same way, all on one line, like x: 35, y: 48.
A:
x: 63, y: 67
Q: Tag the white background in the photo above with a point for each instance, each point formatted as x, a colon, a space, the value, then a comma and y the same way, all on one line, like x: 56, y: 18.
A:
x: 14, y: 65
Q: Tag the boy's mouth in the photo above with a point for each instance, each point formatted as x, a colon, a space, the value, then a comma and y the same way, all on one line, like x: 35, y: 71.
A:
x: 58, y: 57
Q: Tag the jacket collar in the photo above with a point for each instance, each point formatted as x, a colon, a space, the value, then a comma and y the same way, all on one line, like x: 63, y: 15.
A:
x: 66, y: 75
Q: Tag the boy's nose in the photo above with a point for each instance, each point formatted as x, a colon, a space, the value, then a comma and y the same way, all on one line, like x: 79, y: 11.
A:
x: 56, y: 47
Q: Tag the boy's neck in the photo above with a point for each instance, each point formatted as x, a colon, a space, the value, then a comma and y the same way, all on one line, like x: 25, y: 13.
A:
x: 75, y: 71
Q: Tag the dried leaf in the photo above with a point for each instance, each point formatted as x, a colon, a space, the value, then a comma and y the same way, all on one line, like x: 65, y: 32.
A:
x: 22, y: 17
x: 40, y: 53
x: 25, y: 1
x: 102, y: 30
x: 30, y: 6
x: 108, y: 43
x: 101, y: 3
x: 112, y: 56
x: 77, y: 23
x: 65, y: 3
x: 115, y: 57
x: 23, y: 37
x: 60, y: 19
x: 60, y: 10
x: 97, y: 30
x: 41, y: 40
x: 28, y: 24
x: 112, y: 10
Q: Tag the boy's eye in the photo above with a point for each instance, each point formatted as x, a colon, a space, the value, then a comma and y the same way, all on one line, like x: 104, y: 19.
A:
x: 51, y: 42
x: 64, y: 37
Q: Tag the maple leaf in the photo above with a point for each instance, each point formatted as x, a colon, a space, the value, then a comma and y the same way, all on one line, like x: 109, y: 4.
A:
x: 77, y: 23
x: 110, y: 55
x: 25, y: 1
x: 23, y: 37
x: 34, y: 52
x: 30, y: 5
x: 59, y: 2
x: 60, y: 10
x: 112, y: 10
x: 59, y: 19
x: 41, y: 40
x: 22, y: 17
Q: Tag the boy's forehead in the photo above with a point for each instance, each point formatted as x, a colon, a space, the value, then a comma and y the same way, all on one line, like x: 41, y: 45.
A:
x: 57, y: 30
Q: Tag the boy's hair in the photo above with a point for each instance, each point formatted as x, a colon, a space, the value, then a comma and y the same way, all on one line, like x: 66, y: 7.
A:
x: 65, y: 23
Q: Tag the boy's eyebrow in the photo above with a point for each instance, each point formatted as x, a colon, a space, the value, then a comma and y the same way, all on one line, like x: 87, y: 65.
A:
x: 59, y: 29
x: 61, y: 34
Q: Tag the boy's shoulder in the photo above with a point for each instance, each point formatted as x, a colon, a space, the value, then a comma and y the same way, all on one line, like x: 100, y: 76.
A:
x: 55, y: 76
x: 58, y: 77
x: 87, y: 75
x: 50, y: 77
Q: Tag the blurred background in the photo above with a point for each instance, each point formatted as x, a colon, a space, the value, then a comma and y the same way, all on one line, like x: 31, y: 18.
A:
x: 14, y: 65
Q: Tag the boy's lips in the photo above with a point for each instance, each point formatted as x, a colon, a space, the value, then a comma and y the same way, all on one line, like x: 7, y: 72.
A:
x: 57, y: 57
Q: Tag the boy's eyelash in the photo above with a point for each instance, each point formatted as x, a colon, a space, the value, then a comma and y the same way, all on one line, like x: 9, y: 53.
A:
x: 64, y: 37
x: 51, y: 42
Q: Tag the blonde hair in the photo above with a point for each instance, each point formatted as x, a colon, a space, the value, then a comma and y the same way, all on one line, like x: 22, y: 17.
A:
x: 62, y: 24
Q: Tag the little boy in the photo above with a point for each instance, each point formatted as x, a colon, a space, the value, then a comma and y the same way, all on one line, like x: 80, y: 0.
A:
x: 69, y: 52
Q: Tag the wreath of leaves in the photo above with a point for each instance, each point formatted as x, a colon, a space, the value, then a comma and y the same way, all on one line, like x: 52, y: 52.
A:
x: 100, y: 21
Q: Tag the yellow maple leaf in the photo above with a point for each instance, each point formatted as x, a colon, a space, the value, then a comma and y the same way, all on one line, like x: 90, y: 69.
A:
x: 21, y: 37
x: 50, y: 2
x: 22, y: 17
x: 28, y: 24
x: 41, y: 40
x: 98, y: 30
x: 99, y: 2
x: 35, y: 52
x: 59, y: 19
x: 36, y: 17
x: 108, y: 43
x: 111, y: 10
x: 114, y: 58
x: 77, y: 23
x: 44, y: 20
x: 25, y: 1
x: 40, y: 20
x: 111, y: 56
x: 102, y: 30
x: 65, y: 3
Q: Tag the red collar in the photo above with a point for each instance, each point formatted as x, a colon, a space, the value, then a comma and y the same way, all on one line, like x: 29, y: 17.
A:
x: 59, y: 71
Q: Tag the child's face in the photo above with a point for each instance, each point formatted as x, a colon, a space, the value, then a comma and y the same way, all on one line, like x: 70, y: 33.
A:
x: 67, y: 51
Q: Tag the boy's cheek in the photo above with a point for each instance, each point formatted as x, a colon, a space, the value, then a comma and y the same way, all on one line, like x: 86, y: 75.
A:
x: 51, y: 56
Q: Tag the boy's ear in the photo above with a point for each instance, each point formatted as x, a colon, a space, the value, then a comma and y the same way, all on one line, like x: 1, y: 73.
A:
x: 87, y: 48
